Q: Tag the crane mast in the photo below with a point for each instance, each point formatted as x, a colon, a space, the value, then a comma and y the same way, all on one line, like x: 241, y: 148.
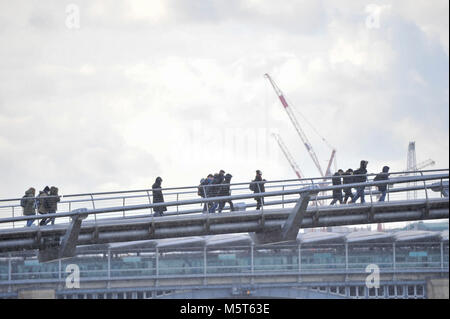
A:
x: 296, y: 124
x: 288, y: 155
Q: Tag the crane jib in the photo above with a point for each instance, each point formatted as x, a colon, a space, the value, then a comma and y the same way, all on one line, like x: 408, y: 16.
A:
x: 283, y: 101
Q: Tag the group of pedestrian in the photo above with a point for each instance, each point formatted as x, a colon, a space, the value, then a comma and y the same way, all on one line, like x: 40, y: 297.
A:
x: 216, y: 185
x: 357, y: 176
x: 45, y: 203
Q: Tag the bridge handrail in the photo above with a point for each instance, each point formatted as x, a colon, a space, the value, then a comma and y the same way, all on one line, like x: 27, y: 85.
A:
x: 315, y: 189
x: 401, y: 173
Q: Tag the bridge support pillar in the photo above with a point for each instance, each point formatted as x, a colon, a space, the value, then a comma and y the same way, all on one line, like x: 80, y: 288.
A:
x: 53, y: 249
x: 289, y: 231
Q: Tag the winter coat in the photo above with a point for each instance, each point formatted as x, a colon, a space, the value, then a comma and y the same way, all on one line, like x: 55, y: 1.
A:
x: 215, y: 190
x: 360, y: 171
x: 347, y: 178
x: 258, y: 187
x: 43, y: 205
x: 158, y: 197
x: 28, y: 203
x: 384, y: 175
x: 53, y: 201
x: 225, y: 187
x: 336, y: 180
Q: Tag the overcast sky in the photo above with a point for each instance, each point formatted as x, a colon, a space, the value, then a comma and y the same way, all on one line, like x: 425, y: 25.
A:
x: 108, y: 95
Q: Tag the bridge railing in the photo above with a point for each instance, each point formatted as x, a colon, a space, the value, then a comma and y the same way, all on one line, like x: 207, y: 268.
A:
x: 185, y: 200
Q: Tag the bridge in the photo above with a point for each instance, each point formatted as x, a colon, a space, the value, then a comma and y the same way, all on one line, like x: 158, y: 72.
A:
x: 127, y: 216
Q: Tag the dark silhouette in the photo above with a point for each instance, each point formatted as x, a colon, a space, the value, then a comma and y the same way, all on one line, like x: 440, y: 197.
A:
x: 257, y: 186
x: 43, y: 204
x: 225, y: 191
x: 347, y: 178
x: 337, y: 193
x: 158, y: 197
x: 362, y: 170
x: 384, y: 175
x: 52, y: 202
x: 28, y: 204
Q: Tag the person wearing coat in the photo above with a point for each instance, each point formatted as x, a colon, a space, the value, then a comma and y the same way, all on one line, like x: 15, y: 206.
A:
x: 347, y: 178
x: 43, y: 204
x: 337, y: 193
x: 362, y: 170
x: 28, y: 204
x: 225, y: 191
x: 384, y: 175
x: 52, y: 202
x: 257, y: 186
x: 158, y: 197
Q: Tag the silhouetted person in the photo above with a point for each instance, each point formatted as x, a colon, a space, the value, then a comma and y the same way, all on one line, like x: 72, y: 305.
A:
x: 257, y: 186
x: 214, y: 191
x: 43, y: 204
x: 383, y: 176
x: 347, y: 178
x: 337, y: 193
x: 52, y: 201
x: 225, y: 191
x: 203, y: 189
x: 28, y: 204
x: 362, y: 170
x: 158, y: 197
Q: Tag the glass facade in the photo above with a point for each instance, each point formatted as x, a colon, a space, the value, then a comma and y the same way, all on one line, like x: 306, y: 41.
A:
x: 242, y: 259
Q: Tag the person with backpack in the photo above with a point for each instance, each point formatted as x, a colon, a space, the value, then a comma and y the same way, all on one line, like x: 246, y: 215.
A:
x: 28, y: 204
x: 383, y: 176
x: 43, y: 204
x: 337, y: 193
x: 202, y: 189
x: 158, y: 197
x: 347, y: 179
x: 225, y: 191
x: 257, y: 186
x: 362, y: 171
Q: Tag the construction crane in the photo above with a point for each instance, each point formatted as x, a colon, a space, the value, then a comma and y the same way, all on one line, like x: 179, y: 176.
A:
x: 299, y: 130
x: 288, y: 155
x: 421, y: 165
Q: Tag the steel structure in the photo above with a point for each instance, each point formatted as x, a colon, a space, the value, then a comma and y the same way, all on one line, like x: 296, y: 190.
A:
x: 298, y: 128
x: 288, y: 156
x: 267, y: 225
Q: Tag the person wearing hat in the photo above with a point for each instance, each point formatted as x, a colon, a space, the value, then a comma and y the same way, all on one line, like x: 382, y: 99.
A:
x: 257, y: 186
x: 360, y: 177
x: 158, y: 197
x: 383, y: 176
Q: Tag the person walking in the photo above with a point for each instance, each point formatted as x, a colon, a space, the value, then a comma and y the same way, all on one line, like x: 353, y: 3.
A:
x: 347, y: 178
x: 257, y: 186
x: 225, y: 191
x: 158, y: 197
x: 202, y: 189
x: 383, y: 176
x: 28, y: 204
x: 43, y: 205
x: 362, y: 178
x: 337, y: 193
x: 53, y: 200
x: 214, y: 191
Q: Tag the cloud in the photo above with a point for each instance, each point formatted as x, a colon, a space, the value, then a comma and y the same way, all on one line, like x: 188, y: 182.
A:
x: 176, y: 89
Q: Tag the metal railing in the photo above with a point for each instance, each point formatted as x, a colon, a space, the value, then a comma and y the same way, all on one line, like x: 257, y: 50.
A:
x: 282, y: 194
